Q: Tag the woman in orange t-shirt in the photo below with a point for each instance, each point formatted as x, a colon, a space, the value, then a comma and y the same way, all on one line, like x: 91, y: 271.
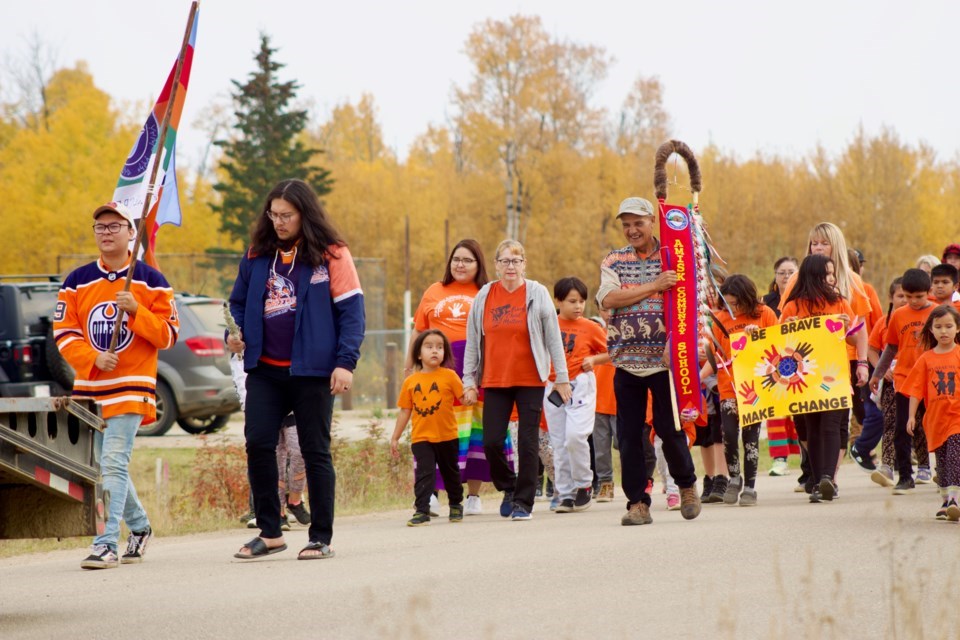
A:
x: 816, y: 294
x: 445, y: 306
x: 740, y: 294
x: 933, y: 381
x: 512, y: 337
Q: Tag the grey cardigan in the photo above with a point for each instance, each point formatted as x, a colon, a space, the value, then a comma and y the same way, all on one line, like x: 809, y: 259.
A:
x: 545, y: 341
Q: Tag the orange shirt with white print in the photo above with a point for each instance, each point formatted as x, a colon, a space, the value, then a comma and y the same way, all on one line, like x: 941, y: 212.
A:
x: 507, y: 355
x: 904, y: 333
x: 582, y: 338
x: 935, y: 379
x: 446, y: 307
x: 430, y: 398
x: 725, y: 382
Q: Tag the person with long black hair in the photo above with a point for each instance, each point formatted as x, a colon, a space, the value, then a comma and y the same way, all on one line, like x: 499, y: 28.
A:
x: 816, y: 294
x: 298, y: 303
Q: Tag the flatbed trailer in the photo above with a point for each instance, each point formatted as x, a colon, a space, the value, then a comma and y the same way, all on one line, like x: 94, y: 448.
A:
x: 50, y: 483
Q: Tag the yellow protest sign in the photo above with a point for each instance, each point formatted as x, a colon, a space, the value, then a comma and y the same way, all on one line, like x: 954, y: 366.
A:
x: 792, y: 368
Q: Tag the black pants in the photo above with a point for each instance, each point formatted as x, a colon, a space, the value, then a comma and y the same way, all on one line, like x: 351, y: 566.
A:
x: 903, y: 441
x: 443, y: 456
x: 272, y: 393
x: 631, y: 393
x: 822, y: 431
x: 731, y: 447
x: 497, y: 406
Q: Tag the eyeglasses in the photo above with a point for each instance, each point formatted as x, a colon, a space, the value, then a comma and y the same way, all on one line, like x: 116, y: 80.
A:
x: 785, y: 274
x: 280, y: 217
x: 113, y: 227
x: 506, y: 262
x: 463, y: 261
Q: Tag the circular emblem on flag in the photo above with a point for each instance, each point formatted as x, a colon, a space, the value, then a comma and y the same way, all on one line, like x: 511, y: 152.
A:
x: 136, y: 164
x: 676, y: 219
x: 100, y: 323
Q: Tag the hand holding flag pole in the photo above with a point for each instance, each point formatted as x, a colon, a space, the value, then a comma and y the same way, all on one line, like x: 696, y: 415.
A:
x: 141, y: 239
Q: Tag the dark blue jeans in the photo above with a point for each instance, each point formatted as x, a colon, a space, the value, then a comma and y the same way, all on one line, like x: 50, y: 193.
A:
x: 272, y: 393
x: 872, y: 426
x: 631, y: 392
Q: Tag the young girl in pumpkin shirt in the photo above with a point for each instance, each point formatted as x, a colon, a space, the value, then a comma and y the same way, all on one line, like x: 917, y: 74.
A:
x: 816, y: 294
x: 428, y: 397
x: 934, y: 381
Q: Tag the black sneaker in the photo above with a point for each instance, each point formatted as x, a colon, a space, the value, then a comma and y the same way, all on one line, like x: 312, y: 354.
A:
x: 826, y: 488
x: 136, y: 546
x: 549, y: 488
x: 865, y: 462
x: 707, y: 488
x: 581, y: 502
x: 566, y: 506
x: 456, y: 513
x: 904, y: 487
x: 815, y: 494
x: 299, y: 512
x: 719, y: 488
x: 419, y: 519
x: 284, y: 523
x: 506, y: 506
x: 101, y: 557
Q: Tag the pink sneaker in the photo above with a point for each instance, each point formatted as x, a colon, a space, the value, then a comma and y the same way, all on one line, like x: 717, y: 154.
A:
x: 673, y: 502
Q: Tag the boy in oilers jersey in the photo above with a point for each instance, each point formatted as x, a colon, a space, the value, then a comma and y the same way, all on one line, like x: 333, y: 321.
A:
x: 123, y: 382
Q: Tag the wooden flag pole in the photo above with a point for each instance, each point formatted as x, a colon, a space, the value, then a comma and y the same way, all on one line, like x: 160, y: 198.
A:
x: 151, y: 186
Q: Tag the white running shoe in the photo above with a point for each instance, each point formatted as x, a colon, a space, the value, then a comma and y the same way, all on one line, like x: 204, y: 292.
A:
x: 780, y: 468
x: 434, y: 506
x: 473, y: 507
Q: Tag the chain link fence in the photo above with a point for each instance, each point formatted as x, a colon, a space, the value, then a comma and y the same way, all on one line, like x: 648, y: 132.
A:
x: 375, y: 383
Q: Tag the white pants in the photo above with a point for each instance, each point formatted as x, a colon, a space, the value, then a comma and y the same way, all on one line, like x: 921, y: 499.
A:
x: 668, y: 482
x: 570, y: 425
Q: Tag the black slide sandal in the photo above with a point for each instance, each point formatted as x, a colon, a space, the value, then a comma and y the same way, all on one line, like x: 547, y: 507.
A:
x: 323, y: 548
x: 258, y: 549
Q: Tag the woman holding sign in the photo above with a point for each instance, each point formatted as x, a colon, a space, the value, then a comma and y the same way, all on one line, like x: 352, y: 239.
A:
x: 816, y: 294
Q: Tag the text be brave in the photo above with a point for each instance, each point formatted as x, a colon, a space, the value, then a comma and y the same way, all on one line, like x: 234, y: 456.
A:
x: 814, y: 322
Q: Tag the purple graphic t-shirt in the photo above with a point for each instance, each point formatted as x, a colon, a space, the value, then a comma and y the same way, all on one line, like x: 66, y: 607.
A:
x: 280, y: 312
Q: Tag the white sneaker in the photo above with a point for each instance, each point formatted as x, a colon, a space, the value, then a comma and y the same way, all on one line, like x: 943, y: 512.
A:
x: 473, y: 508
x: 434, y: 507
x: 780, y: 468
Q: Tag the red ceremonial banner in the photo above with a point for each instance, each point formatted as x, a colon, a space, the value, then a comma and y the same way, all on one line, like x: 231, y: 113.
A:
x: 680, y: 305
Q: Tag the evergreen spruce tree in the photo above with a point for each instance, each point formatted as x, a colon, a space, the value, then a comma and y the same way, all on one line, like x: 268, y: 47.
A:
x: 267, y: 146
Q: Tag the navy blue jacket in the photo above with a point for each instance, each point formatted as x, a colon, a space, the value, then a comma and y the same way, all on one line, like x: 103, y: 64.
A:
x: 329, y: 324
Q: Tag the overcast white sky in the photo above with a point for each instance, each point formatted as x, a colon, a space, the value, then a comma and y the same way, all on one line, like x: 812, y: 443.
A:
x: 771, y: 76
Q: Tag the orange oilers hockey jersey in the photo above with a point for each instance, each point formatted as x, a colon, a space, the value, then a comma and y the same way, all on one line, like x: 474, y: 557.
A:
x: 83, y: 325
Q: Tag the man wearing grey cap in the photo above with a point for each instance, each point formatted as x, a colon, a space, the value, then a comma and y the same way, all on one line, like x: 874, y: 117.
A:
x: 632, y: 282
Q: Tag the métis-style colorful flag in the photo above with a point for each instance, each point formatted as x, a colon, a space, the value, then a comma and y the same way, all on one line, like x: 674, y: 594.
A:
x: 135, y: 176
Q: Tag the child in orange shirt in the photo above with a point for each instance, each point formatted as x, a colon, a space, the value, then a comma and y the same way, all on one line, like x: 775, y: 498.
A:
x: 428, y: 396
x: 571, y: 423
x: 740, y: 294
x: 816, y: 294
x: 934, y: 381
x: 943, y: 284
x: 903, y: 342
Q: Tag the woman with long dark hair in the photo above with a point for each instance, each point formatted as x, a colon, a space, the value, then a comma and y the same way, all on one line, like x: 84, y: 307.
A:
x: 298, y: 303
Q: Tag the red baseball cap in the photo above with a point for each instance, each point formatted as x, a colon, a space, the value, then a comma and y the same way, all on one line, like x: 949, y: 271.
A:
x: 952, y: 249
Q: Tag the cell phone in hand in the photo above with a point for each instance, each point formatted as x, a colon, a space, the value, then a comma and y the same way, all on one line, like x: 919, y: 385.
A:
x: 555, y: 399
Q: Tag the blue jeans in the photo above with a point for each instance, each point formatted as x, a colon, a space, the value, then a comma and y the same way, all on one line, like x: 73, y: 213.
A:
x: 112, y: 450
x: 872, y: 427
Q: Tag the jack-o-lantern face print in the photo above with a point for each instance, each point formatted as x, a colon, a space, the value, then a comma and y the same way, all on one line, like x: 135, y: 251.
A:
x: 426, y: 404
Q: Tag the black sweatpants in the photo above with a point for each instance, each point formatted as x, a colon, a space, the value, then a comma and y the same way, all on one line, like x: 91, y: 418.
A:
x: 272, y: 393
x: 902, y: 441
x: 443, y: 456
x: 822, y: 431
x: 497, y: 406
